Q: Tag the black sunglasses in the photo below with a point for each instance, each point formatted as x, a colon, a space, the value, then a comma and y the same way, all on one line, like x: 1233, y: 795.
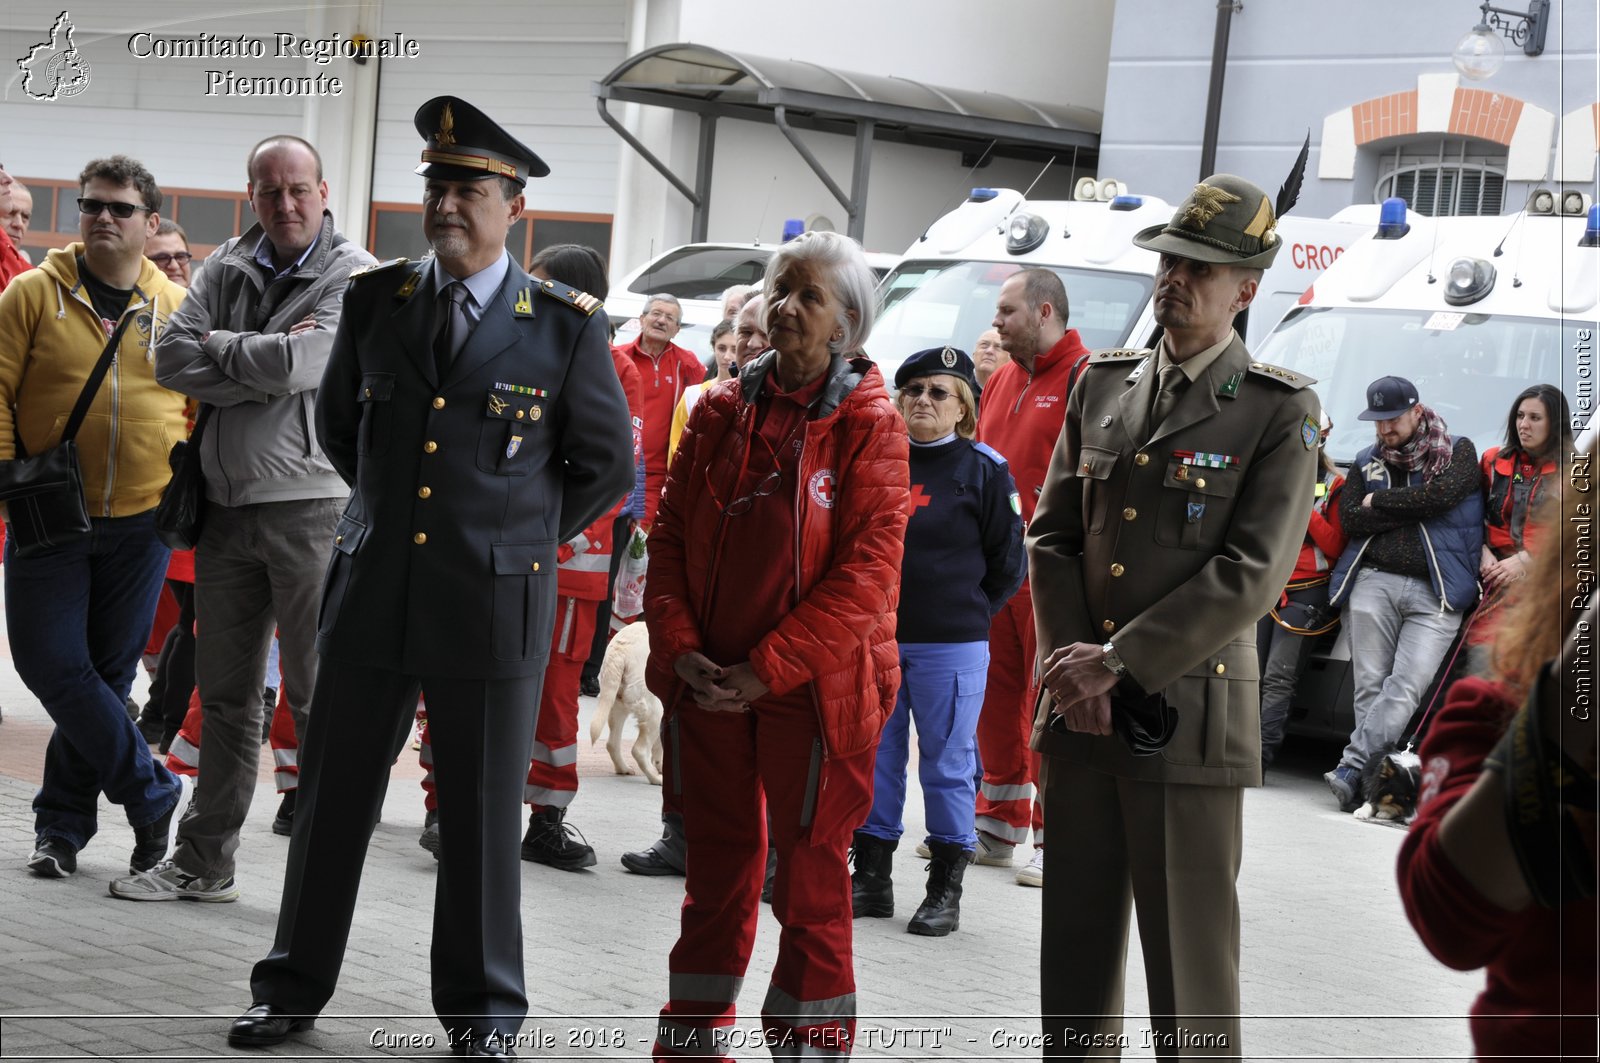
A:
x: 165, y: 257
x: 93, y: 207
x: 916, y: 391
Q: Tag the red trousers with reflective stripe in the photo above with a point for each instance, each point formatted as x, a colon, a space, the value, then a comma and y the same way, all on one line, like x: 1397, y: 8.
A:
x: 729, y: 761
x: 1007, y: 799
x: 553, y: 767
x: 183, y: 756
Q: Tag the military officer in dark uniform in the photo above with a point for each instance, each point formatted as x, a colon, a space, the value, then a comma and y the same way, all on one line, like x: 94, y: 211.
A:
x: 476, y: 413
x: 1170, y: 518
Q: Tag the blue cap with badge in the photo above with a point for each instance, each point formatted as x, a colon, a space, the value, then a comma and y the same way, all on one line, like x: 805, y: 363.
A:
x: 464, y: 144
x: 935, y: 360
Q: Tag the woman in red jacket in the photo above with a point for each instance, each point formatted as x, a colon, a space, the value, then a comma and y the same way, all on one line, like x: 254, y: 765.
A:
x: 773, y: 582
x: 1538, y: 435
x: 1302, y: 613
x: 1509, y: 884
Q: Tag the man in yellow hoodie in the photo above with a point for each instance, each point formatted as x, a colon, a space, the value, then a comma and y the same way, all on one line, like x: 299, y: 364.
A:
x: 78, y: 614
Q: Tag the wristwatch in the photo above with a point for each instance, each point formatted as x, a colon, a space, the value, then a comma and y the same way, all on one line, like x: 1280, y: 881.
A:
x: 1112, y: 660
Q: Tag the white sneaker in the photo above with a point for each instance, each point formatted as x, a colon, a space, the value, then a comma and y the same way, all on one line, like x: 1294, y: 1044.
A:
x: 1032, y: 873
x: 992, y: 851
x: 923, y: 851
x: 168, y: 882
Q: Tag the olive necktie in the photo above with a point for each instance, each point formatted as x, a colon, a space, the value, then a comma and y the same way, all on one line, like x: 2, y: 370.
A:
x: 1171, y: 385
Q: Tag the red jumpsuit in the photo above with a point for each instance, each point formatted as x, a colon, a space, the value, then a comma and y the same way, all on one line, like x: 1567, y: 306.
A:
x: 779, y: 542
x: 661, y: 383
x: 1021, y: 417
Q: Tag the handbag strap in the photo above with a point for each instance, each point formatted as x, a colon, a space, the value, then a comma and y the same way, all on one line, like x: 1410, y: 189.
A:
x: 200, y: 425
x: 90, y: 386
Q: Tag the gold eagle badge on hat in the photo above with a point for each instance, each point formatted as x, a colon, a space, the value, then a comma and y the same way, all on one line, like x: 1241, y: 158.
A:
x: 1205, y: 203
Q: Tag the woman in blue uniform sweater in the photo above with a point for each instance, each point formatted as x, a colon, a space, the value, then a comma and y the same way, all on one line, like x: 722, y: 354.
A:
x: 963, y: 560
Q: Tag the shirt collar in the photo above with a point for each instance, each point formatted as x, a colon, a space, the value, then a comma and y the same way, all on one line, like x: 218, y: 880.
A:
x: 482, y: 285
x: 263, y: 258
x: 1195, y: 367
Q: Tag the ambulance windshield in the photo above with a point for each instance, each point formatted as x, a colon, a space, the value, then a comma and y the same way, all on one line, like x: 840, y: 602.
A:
x: 1467, y: 367
x: 932, y: 303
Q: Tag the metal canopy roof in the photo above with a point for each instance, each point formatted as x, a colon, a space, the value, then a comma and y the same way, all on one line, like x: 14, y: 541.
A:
x: 791, y: 94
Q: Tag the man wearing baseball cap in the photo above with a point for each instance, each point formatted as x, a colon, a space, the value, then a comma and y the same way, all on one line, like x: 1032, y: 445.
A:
x: 1413, y: 509
x: 1170, y: 520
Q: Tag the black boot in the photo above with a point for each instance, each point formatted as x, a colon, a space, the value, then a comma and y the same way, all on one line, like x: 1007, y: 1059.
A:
x: 552, y: 840
x: 871, y: 885
x: 941, y: 908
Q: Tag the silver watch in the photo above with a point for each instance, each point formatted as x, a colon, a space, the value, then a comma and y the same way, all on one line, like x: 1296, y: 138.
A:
x: 1112, y: 660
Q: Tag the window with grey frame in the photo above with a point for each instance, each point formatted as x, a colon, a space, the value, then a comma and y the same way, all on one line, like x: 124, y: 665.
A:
x: 1453, y: 179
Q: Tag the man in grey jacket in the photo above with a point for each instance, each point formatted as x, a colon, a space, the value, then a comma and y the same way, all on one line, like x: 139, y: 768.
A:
x: 251, y: 342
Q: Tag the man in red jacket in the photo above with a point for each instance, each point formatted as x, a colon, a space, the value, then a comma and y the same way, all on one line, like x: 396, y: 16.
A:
x: 665, y: 369
x: 1023, y: 408
x: 11, y: 260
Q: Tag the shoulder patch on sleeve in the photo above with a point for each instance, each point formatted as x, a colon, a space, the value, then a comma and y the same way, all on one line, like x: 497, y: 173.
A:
x: 989, y: 452
x: 1118, y: 354
x: 566, y: 293
x: 1283, y: 376
x: 367, y: 271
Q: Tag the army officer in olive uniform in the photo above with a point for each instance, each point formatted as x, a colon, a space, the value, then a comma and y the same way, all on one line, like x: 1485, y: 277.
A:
x: 1169, y: 521
x: 478, y: 417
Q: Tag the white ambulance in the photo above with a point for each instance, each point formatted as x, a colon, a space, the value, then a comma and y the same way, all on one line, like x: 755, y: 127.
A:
x: 1470, y: 310
x: 944, y: 288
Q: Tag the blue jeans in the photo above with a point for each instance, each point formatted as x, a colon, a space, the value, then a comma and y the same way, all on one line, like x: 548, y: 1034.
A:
x: 941, y: 689
x: 1399, y: 634
x: 79, y: 617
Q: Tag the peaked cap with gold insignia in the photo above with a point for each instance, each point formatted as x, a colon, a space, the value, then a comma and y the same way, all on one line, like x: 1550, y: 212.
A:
x: 464, y: 144
x: 1226, y: 219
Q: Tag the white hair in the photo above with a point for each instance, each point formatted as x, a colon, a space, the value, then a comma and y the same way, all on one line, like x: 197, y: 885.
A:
x: 844, y: 265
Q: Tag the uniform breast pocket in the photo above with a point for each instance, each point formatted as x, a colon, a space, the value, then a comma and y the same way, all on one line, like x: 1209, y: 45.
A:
x: 1196, y: 505
x: 376, y: 397
x: 510, y: 423
x: 524, y: 599
x: 1094, y: 469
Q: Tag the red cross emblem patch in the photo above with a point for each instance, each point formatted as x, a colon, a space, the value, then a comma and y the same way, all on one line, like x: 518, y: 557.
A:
x: 822, y: 487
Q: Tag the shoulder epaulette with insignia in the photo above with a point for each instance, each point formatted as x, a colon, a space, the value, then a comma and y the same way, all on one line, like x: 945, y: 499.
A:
x: 1281, y: 375
x: 367, y: 271
x: 989, y: 452
x: 566, y: 293
x: 1119, y: 354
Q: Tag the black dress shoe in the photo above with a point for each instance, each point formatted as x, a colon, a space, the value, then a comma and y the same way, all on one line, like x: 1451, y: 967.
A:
x: 649, y: 862
x: 265, y: 1025
x: 489, y: 1046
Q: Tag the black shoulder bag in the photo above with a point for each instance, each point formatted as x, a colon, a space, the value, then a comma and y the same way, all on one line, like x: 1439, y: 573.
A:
x: 182, y: 507
x: 43, y: 493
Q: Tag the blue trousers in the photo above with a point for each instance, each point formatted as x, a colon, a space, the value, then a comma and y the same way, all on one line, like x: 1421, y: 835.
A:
x: 941, y: 689
x: 79, y: 617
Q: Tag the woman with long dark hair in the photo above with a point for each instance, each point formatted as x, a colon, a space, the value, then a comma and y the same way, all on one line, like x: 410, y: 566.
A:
x: 1538, y: 433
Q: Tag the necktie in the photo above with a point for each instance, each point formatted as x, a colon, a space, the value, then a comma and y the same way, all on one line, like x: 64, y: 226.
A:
x: 453, y: 329
x: 1171, y: 384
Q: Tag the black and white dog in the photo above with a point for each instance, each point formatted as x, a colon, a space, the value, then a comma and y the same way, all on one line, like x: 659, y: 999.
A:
x: 1389, y: 784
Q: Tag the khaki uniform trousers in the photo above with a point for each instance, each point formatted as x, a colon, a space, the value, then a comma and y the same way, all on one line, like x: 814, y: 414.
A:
x: 1172, y: 852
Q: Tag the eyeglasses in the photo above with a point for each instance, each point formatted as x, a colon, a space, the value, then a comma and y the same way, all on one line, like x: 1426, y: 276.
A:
x: 916, y: 391
x: 767, y: 485
x: 164, y: 258
x: 93, y: 207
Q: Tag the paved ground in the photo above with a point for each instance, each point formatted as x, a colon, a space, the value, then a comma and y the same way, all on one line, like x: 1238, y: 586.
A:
x: 1331, y: 968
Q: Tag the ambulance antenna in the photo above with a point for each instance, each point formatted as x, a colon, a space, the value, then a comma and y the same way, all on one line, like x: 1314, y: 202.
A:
x: 1036, y: 180
x: 764, y: 207
x: 1434, y: 250
x: 1499, y: 249
x: 966, y: 184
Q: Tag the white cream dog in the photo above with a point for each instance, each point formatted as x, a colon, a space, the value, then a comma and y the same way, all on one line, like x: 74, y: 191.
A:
x: 623, y: 693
